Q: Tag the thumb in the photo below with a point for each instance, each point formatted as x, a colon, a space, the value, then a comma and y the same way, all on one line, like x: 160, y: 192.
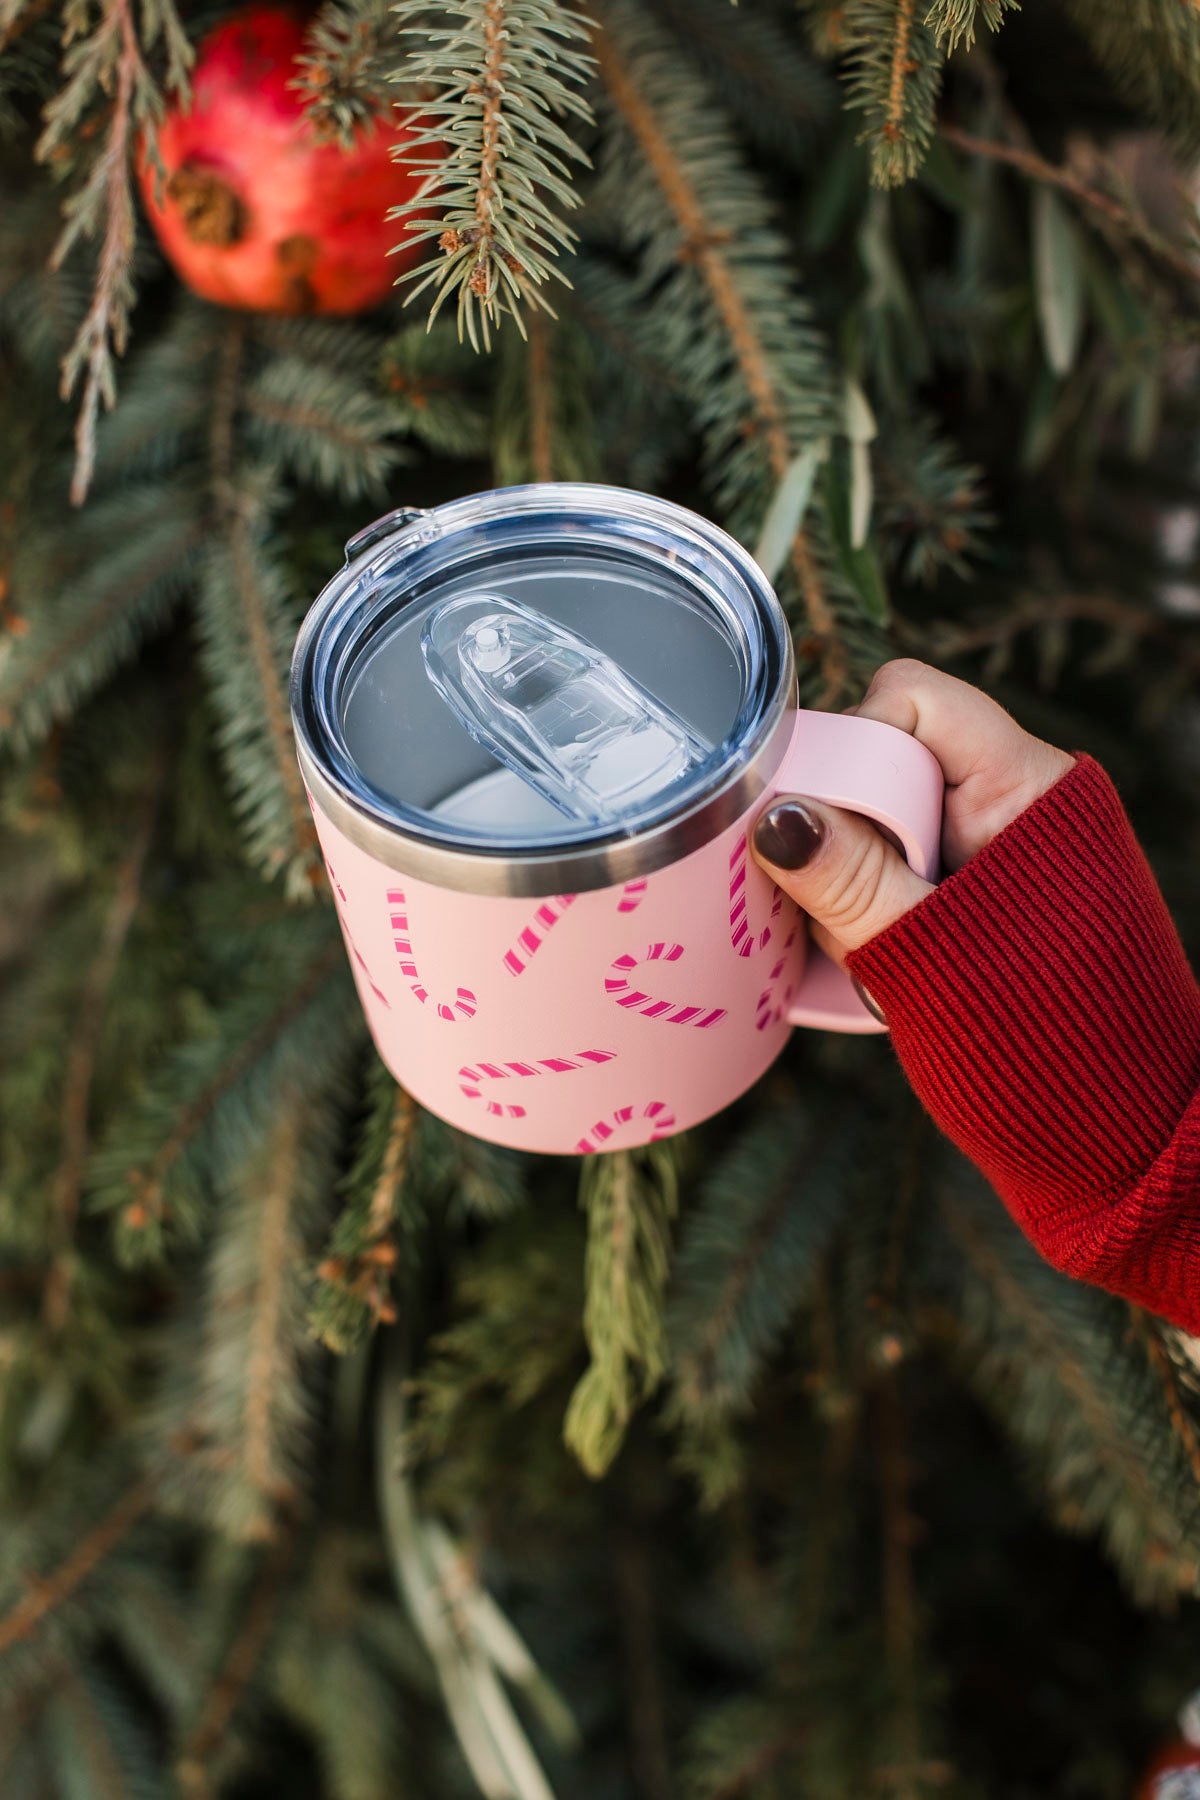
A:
x: 838, y: 869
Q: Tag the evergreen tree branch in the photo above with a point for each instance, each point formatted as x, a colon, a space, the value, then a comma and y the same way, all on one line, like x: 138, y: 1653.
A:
x: 715, y: 254
x: 1138, y: 1486
x: 357, y: 1270
x: 275, y: 1255
x: 630, y: 1200
x: 147, y: 1203
x: 1182, y: 262
x: 248, y: 1395
x: 111, y: 593
x: 780, y: 96
x: 749, y: 1255
x: 331, y: 425
x: 81, y: 1062
x: 247, y: 636
x: 88, y: 1746
x: 105, y: 330
x: 1182, y: 1423
x: 496, y: 154
x: 47, y: 1592
x: 1023, y: 1306
x: 954, y: 22
x: 894, y: 75
x: 108, y: 61
x: 345, y: 75
x: 1151, y: 49
x: 237, y: 1670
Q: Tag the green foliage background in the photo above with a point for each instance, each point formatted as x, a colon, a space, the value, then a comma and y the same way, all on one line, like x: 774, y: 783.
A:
x: 345, y: 1457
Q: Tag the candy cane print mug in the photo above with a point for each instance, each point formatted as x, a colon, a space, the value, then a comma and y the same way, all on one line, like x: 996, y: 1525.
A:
x: 536, y: 727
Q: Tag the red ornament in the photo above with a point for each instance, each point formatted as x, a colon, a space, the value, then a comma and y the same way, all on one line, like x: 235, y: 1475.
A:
x: 1175, y: 1772
x: 256, y: 210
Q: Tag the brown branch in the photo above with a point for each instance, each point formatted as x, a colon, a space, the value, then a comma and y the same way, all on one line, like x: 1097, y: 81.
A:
x: 105, y: 324
x: 81, y: 1063
x: 900, y: 70
x: 1160, y: 1362
x: 382, y: 1210
x: 899, y: 1588
x: 232, y: 519
x: 650, y: 1751
x: 276, y: 1257
x: 702, y: 246
x: 148, y: 1183
x: 367, y: 1273
x: 48, y: 1591
x: 1033, y: 611
x: 491, y: 86
x: 237, y: 1671
x: 1038, y: 169
x: 541, y: 429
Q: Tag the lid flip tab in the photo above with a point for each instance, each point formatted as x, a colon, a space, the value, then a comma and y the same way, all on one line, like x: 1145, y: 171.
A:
x: 554, y: 709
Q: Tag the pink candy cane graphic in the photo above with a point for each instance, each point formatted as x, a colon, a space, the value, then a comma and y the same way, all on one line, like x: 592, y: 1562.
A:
x: 463, y: 1006
x: 529, y: 942
x: 603, y: 1129
x: 470, y: 1078
x: 743, y: 939
x: 772, y: 1004
x: 355, y: 952
x: 531, y: 938
x: 334, y: 882
x: 618, y: 985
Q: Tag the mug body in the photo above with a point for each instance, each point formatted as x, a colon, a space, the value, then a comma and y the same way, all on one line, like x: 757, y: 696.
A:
x: 554, y: 983
x: 573, y: 1022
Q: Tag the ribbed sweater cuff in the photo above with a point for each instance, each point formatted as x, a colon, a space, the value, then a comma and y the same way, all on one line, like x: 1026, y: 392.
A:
x: 1041, y: 1003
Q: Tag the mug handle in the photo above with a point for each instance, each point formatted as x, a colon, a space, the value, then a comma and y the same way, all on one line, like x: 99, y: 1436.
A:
x: 886, y: 775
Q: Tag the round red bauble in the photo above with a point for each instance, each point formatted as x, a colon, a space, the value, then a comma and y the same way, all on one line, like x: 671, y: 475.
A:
x: 256, y: 211
x: 1174, y: 1773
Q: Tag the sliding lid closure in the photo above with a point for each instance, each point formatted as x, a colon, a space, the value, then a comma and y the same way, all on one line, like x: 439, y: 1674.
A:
x: 550, y: 706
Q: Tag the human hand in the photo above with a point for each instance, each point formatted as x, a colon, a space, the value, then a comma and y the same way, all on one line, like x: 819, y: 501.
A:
x: 844, y: 873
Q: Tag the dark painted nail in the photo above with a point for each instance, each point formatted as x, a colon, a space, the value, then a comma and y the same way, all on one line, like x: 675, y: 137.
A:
x: 872, y: 1005
x: 789, y: 835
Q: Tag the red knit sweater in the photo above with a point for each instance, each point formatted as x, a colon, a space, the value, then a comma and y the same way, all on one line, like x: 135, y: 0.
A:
x: 1044, y: 1011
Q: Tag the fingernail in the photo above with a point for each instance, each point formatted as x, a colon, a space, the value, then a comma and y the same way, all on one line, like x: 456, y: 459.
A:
x: 872, y: 1005
x: 789, y: 835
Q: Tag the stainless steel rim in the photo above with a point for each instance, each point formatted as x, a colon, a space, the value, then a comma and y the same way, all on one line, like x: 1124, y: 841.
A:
x: 563, y: 868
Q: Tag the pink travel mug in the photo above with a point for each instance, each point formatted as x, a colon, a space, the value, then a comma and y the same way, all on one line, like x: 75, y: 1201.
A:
x: 536, y: 727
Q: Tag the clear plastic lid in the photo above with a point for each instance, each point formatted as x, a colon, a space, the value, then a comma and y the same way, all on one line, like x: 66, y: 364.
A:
x: 546, y: 664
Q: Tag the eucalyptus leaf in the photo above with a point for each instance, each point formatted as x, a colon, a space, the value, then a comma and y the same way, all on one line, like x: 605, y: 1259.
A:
x: 862, y: 491
x: 1057, y: 280
x: 859, y: 563
x: 858, y: 419
x: 785, y: 515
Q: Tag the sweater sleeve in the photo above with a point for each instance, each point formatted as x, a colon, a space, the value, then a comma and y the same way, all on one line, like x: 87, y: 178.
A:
x: 1043, y: 1009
